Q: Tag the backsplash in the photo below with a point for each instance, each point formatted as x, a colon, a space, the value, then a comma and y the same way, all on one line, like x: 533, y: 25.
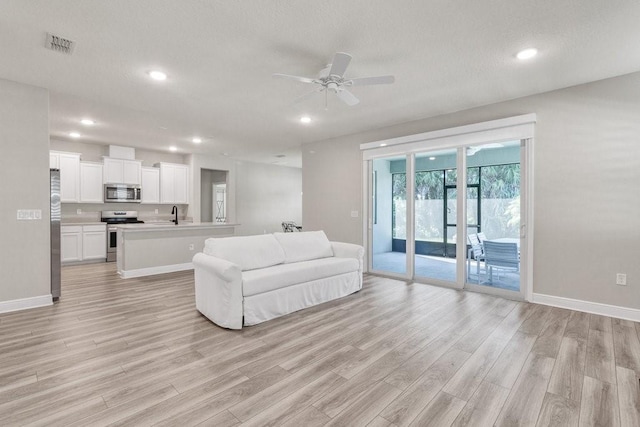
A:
x: 90, y: 212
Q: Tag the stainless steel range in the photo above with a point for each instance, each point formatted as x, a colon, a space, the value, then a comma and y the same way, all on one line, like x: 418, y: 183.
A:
x: 113, y: 218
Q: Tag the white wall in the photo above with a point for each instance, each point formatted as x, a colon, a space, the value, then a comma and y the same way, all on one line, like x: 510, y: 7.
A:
x: 587, y: 172
x: 24, y: 171
x: 266, y: 195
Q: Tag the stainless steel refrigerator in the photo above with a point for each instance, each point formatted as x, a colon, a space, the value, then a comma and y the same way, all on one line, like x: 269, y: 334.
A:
x: 55, y: 233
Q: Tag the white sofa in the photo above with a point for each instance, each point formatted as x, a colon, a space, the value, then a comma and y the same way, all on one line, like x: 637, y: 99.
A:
x: 258, y: 278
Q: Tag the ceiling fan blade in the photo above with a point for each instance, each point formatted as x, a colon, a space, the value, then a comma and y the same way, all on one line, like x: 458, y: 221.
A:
x: 339, y: 64
x: 308, y: 95
x: 296, y: 78
x: 363, y: 81
x: 347, y: 97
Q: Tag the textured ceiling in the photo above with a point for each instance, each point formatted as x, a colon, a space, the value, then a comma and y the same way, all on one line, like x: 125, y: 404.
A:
x: 219, y: 55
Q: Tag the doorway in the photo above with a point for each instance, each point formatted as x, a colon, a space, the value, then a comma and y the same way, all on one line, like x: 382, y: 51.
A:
x: 213, y: 186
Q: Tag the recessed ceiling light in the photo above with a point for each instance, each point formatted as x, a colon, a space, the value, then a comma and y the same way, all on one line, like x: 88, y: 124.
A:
x: 196, y: 140
x: 383, y: 145
x: 312, y: 152
x: 305, y: 119
x: 74, y: 134
x: 87, y: 122
x: 173, y: 148
x: 158, y: 75
x: 225, y: 154
x: 527, y: 54
x: 432, y: 158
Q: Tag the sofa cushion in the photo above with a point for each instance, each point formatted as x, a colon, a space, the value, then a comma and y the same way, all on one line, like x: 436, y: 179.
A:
x: 248, y: 252
x: 304, y: 246
x: 279, y: 276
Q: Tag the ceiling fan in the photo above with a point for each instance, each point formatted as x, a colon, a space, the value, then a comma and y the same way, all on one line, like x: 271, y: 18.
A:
x: 331, y: 79
x: 474, y: 149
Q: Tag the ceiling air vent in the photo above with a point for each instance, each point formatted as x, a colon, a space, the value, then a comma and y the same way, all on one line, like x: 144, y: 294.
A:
x: 59, y: 44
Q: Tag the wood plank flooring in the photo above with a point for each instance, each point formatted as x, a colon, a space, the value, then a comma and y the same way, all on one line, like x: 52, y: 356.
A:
x: 136, y: 352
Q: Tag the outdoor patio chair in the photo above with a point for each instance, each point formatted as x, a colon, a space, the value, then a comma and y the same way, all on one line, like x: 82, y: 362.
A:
x: 482, y: 237
x: 502, y: 256
x: 476, y: 252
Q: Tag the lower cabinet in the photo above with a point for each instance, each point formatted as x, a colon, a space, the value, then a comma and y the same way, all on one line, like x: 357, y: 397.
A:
x: 83, y: 242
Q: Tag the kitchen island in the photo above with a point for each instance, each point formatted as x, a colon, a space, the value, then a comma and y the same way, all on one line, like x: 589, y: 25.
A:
x: 155, y: 248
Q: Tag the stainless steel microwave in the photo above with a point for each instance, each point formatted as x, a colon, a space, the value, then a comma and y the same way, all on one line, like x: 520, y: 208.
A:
x: 122, y: 193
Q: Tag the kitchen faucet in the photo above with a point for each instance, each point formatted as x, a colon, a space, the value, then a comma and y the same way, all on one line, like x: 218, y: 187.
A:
x: 174, y: 210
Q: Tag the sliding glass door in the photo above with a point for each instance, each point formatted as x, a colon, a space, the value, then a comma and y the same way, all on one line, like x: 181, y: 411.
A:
x: 452, y: 207
x: 389, y: 216
x: 493, y: 259
x: 435, y: 207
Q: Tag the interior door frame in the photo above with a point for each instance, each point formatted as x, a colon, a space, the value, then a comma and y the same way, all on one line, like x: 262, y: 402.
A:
x: 508, y: 129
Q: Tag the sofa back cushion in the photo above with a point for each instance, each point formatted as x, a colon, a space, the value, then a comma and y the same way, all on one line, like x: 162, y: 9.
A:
x: 248, y: 252
x: 304, y: 246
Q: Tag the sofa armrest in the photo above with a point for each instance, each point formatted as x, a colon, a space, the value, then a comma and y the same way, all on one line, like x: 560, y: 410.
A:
x: 347, y: 250
x: 218, y: 288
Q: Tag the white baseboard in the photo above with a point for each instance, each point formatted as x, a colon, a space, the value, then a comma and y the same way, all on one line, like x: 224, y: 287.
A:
x: 589, y: 307
x: 25, y: 303
x: 150, y: 271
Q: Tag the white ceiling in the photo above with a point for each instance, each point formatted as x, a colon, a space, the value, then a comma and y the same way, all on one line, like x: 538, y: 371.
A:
x: 219, y: 55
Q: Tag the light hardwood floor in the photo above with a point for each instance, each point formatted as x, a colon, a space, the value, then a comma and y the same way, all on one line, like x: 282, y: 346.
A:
x: 136, y: 352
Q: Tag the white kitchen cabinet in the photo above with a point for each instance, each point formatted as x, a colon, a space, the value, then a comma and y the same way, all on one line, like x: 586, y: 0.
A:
x: 69, y: 165
x: 83, y: 242
x: 91, y: 188
x: 94, y: 242
x: 71, y: 243
x: 174, y: 183
x: 121, y: 171
x: 150, y: 185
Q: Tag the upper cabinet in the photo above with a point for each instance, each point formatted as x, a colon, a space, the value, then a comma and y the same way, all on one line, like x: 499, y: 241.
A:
x: 150, y: 185
x: 174, y: 183
x: 91, y: 188
x: 121, y: 171
x: 69, y: 165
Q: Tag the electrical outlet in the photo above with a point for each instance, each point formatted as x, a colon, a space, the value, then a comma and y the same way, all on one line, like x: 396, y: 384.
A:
x: 354, y: 214
x: 156, y: 210
x: 191, y: 246
x: 621, y: 279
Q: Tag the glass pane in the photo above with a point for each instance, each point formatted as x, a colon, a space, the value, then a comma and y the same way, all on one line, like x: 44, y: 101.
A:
x: 473, y: 175
x: 429, y: 209
x: 452, y: 205
x: 452, y: 176
x: 434, y: 253
x: 493, y: 255
x: 389, y: 194
x: 472, y: 207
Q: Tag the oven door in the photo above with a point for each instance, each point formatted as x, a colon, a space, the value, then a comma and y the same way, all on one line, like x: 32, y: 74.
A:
x: 112, y: 242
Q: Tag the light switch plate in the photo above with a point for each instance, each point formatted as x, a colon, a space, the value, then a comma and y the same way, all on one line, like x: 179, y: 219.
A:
x: 354, y: 214
x: 29, y: 214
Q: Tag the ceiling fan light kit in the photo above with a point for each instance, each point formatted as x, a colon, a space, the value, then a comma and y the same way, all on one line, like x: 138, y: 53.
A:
x: 331, y: 79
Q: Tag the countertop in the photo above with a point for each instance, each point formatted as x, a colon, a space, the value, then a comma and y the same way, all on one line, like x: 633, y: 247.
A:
x: 65, y: 223
x: 166, y: 226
